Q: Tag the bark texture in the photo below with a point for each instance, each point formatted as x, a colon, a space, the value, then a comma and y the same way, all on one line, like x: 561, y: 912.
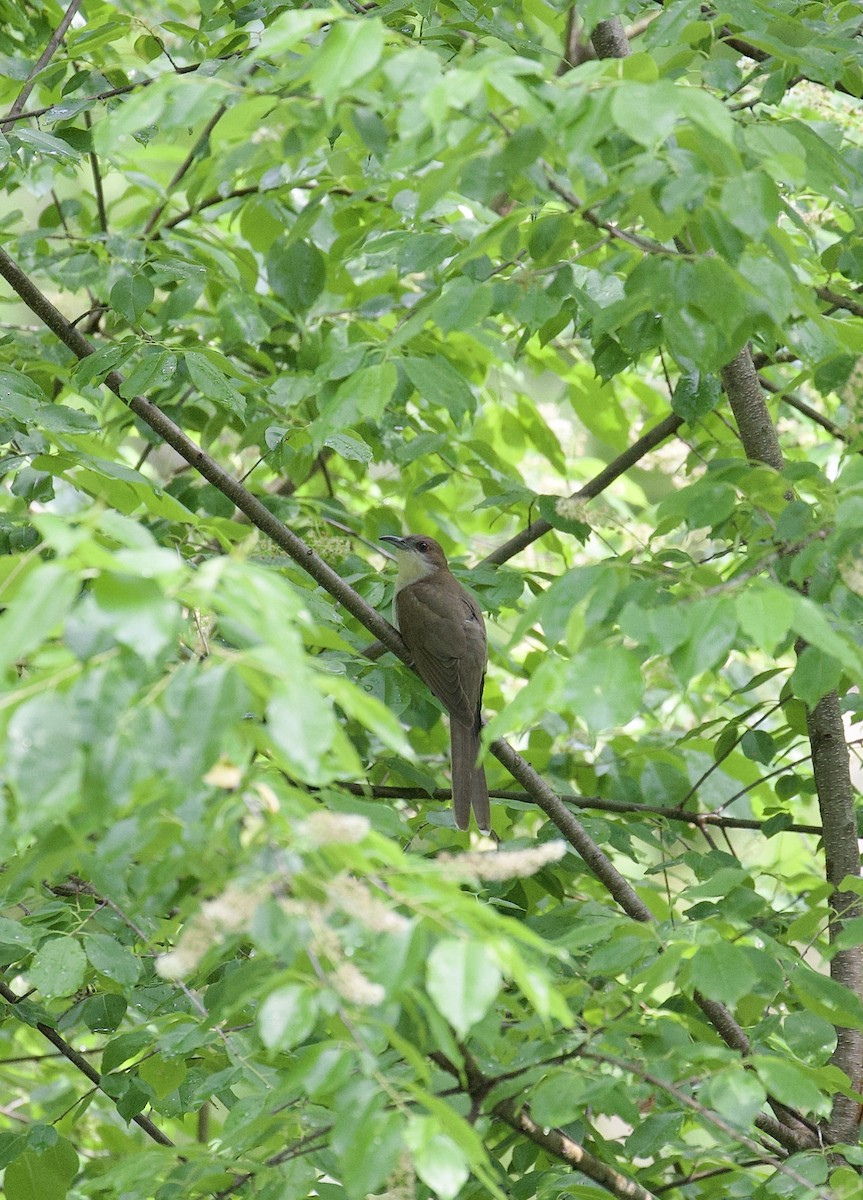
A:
x: 830, y: 766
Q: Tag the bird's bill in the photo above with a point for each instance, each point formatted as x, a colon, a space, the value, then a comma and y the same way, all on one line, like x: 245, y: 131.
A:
x: 398, y: 542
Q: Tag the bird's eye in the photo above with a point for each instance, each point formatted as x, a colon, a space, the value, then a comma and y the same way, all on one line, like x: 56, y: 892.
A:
x: 422, y: 547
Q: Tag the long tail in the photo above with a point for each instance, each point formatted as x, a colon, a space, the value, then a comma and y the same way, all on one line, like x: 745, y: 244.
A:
x: 469, y: 787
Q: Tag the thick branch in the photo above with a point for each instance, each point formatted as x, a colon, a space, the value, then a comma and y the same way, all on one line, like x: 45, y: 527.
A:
x: 830, y: 765
x: 757, y: 432
x: 561, y: 1145
x: 477, y: 1086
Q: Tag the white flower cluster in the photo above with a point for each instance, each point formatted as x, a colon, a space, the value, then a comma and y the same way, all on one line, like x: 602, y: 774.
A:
x: 501, y: 864
x: 324, y: 828
x: 354, y: 987
x: 357, y: 900
x: 224, y: 914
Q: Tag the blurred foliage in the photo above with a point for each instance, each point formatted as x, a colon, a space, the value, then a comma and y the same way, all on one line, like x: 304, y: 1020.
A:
x: 399, y: 267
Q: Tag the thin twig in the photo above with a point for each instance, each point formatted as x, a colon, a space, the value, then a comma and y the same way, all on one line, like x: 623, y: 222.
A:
x: 593, y: 803
x: 107, y: 94
x: 184, y: 166
x: 97, y: 180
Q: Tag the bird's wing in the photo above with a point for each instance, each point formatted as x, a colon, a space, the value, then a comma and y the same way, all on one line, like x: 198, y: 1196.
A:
x: 448, y: 644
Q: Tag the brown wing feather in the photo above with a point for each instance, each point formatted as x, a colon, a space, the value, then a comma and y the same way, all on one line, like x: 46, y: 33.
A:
x: 448, y: 643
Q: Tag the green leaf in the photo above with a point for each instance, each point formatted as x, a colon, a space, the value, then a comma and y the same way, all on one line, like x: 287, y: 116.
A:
x: 58, y: 967
x: 213, y: 384
x: 826, y: 998
x: 97, y: 365
x: 438, y: 382
x: 131, y: 296
x: 297, y: 273
x: 736, y: 1095
x: 351, y: 49
x: 812, y: 625
x: 758, y: 746
x: 809, y: 1036
x: 439, y: 1161
x: 751, y: 202
x: 110, y: 958
x: 814, y: 675
x: 604, y: 686
x: 35, y: 611
x: 695, y: 395
x: 646, y: 112
x: 790, y: 1084
x: 23, y: 401
x: 349, y: 447
x: 287, y: 1016
x: 135, y: 612
x: 362, y: 397
x: 711, y: 628
x: 560, y: 1098
x: 13, y: 933
x: 765, y: 613
x: 103, y: 1014
x: 154, y: 369
x: 42, y: 1176
x: 463, y: 980
x: 722, y: 972
x: 47, y: 144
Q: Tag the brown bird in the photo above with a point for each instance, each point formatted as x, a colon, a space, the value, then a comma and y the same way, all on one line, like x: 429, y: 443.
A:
x: 443, y: 629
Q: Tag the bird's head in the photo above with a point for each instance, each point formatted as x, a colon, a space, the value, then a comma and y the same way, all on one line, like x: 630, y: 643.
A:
x: 417, y: 556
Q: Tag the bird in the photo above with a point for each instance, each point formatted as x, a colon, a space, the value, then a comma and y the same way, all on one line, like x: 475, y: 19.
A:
x: 442, y: 627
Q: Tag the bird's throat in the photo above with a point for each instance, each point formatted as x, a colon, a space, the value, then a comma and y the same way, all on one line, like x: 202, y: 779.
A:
x: 412, y: 568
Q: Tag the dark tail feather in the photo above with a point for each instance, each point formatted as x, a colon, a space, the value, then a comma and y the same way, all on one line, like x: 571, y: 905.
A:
x: 469, y: 788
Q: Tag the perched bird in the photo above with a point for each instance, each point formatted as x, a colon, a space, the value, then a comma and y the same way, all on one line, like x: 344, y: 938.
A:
x: 443, y: 629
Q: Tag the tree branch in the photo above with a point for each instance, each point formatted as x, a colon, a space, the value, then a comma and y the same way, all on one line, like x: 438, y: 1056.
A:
x: 43, y: 60
x: 184, y: 167
x: 84, y: 1067
x: 561, y: 1145
x: 107, y: 94
x: 477, y: 1086
x: 830, y: 765
x: 594, y: 803
x: 617, y: 467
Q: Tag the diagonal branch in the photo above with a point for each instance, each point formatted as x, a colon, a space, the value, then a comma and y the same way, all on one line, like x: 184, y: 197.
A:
x: 184, y: 166
x: 556, y: 1142
x: 84, y: 1067
x: 619, y: 466
x: 44, y: 58
x: 561, y: 1145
